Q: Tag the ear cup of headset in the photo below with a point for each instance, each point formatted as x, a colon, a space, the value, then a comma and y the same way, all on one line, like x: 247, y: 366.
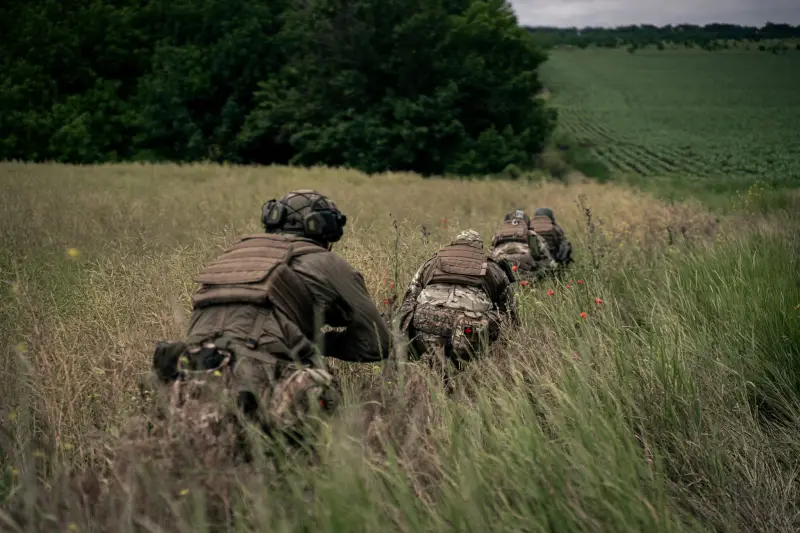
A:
x: 273, y: 215
x: 325, y: 225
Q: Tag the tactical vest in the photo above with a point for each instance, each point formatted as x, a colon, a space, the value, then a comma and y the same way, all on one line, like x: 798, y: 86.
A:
x: 460, y: 263
x: 256, y: 271
x: 508, y: 232
x: 543, y: 226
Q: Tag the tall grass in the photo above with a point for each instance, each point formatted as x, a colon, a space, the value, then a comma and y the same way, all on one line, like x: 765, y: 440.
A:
x: 671, y: 404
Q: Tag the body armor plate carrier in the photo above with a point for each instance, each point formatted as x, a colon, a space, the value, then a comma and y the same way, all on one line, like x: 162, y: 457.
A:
x: 508, y: 232
x: 543, y: 226
x: 255, y: 270
x: 460, y: 263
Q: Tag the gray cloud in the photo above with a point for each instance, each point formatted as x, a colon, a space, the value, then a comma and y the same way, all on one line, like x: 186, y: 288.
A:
x: 620, y: 12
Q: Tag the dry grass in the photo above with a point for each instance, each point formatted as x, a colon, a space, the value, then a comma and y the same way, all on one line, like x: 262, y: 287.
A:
x: 638, y: 417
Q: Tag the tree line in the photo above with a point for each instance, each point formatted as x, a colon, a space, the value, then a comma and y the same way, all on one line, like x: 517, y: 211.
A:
x: 431, y: 86
x: 708, y: 36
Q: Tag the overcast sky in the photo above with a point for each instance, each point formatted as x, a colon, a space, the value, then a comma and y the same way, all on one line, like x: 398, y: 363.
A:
x: 660, y: 12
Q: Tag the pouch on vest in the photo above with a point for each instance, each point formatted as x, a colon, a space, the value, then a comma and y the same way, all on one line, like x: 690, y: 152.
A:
x: 470, y: 333
x: 166, y: 357
x: 434, y: 320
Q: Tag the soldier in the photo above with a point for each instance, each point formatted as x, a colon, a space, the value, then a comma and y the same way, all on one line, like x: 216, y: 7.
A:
x: 456, y: 301
x: 533, y: 254
x: 257, y: 319
x: 515, y: 242
x: 558, y: 247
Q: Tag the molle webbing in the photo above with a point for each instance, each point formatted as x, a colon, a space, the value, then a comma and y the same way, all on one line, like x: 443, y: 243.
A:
x: 508, y: 232
x: 460, y: 264
x: 255, y: 270
x: 543, y: 226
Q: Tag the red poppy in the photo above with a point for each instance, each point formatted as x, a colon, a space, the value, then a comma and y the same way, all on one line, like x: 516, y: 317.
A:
x: 386, y: 302
x: 580, y: 282
x: 391, y: 285
x: 568, y: 285
x: 551, y: 292
x: 583, y: 315
x: 514, y: 268
x: 523, y: 283
x: 598, y: 301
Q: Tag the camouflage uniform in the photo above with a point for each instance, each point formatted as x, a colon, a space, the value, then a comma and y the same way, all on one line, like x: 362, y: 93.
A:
x: 518, y: 244
x: 552, y: 237
x: 456, y: 301
x: 257, y: 317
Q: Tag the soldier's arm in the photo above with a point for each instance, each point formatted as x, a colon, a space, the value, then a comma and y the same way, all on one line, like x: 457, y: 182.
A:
x: 341, y: 291
x: 564, y: 253
x: 533, y: 245
x: 504, y: 294
x: 367, y: 337
x: 409, y: 302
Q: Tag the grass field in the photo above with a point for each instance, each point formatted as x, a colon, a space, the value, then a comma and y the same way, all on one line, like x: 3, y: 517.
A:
x: 704, y: 121
x: 671, y: 406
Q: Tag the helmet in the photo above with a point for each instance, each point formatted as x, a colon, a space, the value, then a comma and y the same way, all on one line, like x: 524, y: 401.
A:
x: 469, y: 235
x: 518, y: 214
x: 545, y: 212
x: 304, y: 212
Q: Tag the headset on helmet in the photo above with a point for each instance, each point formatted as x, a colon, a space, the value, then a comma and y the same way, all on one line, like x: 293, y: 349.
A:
x: 518, y: 214
x: 325, y: 224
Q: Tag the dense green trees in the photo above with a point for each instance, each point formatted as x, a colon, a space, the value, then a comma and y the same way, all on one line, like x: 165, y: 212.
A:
x: 637, y: 36
x: 434, y: 86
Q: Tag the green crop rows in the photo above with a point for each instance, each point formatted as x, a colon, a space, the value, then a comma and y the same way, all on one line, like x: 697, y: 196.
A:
x: 691, y: 113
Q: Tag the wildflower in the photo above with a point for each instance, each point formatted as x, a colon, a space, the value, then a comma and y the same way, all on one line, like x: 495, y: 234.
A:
x: 551, y: 292
x: 12, y: 416
x: 583, y: 315
x: 22, y: 348
x: 184, y: 492
x: 580, y: 282
x: 73, y: 253
x: 569, y: 286
x: 514, y: 268
x: 217, y: 373
x: 575, y: 356
x: 391, y: 285
x: 598, y: 301
x: 72, y: 526
x: 524, y: 283
x: 386, y: 301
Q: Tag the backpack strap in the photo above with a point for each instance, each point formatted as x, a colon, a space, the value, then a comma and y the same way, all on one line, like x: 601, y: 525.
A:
x: 255, y: 330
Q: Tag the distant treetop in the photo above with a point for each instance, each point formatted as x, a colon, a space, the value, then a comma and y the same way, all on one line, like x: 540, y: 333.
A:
x: 645, y: 34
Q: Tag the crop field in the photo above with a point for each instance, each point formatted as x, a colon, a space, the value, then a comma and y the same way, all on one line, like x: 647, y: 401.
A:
x: 732, y: 116
x: 655, y: 388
